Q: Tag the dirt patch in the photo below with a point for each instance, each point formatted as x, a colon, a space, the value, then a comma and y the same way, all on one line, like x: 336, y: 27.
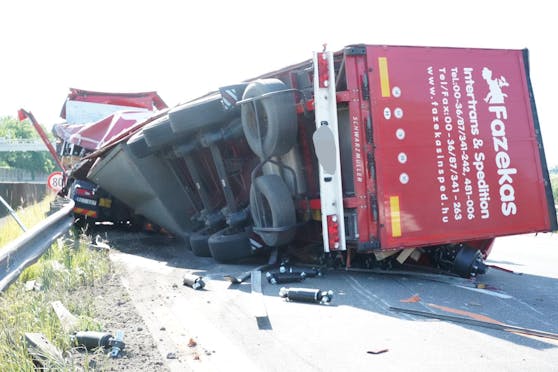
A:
x: 115, y: 310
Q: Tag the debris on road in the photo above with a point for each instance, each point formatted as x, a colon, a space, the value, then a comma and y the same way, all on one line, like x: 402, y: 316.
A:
x: 376, y: 352
x: 272, y: 261
x: 479, y: 317
x: 93, y: 339
x: 413, y: 298
x: 192, y: 343
x: 306, y: 295
x: 285, y: 277
x: 193, y: 281
x: 498, y: 325
x: 504, y: 269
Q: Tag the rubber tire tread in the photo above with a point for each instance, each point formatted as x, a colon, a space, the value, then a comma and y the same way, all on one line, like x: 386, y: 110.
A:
x: 138, y: 146
x: 280, y: 110
x: 230, y: 244
x: 279, y: 199
x: 159, y: 134
x: 191, y: 117
x: 199, y: 243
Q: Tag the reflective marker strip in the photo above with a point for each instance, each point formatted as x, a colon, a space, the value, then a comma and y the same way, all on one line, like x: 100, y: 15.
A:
x: 384, y: 76
x: 395, y: 216
x: 85, y: 212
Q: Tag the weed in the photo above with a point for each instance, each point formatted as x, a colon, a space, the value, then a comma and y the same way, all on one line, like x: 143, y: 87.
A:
x: 29, y: 216
x: 61, y: 271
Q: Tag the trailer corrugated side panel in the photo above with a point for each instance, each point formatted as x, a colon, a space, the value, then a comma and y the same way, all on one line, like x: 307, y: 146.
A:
x: 457, y: 146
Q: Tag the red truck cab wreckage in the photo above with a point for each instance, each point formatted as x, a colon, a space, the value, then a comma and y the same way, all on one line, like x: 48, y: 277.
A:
x: 93, y: 119
x: 374, y: 154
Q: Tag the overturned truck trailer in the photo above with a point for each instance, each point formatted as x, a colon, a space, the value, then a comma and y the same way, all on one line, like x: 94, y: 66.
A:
x: 375, y: 154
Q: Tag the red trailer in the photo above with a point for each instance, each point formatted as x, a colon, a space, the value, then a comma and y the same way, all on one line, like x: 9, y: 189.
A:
x: 378, y: 153
x: 456, y: 154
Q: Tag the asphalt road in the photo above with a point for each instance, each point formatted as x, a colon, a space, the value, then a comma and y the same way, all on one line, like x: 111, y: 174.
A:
x: 223, y: 318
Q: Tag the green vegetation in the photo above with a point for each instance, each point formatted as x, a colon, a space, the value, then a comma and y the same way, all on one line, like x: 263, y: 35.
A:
x: 30, y: 216
x: 61, y: 272
x: 32, y: 161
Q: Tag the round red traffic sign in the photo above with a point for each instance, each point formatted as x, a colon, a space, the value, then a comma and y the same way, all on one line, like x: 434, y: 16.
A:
x: 54, y: 181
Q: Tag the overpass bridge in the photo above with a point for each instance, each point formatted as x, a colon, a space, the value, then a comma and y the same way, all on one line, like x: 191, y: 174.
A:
x: 15, y: 175
x: 7, y: 145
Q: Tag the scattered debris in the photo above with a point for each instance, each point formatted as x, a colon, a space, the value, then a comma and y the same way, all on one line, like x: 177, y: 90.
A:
x: 287, y: 274
x: 498, y: 326
x: 45, y: 355
x: 246, y: 275
x: 471, y: 303
x: 192, y: 343
x: 306, y: 295
x: 479, y: 317
x: 172, y: 355
x: 413, y: 298
x: 68, y: 321
x: 504, y: 269
x: 285, y: 277
x: 99, y: 244
x: 406, y: 253
x: 93, y: 339
x: 376, y: 352
x: 32, y: 285
x: 272, y: 261
x: 193, y: 281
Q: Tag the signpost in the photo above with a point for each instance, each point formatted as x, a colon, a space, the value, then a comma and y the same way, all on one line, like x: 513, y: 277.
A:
x: 55, y: 181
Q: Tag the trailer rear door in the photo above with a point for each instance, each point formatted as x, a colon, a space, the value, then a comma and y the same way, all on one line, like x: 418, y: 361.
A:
x: 458, y: 149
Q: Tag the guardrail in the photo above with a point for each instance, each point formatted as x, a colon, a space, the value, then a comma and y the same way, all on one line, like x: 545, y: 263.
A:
x: 26, y: 250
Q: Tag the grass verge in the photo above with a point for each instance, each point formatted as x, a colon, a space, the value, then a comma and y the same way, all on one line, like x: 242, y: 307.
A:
x: 62, y: 273
x: 29, y: 216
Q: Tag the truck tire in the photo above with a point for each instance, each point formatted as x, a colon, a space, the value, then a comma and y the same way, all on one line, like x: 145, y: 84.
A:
x: 198, y: 243
x: 138, y: 146
x: 191, y: 117
x: 230, y: 244
x: 271, y: 205
x: 159, y: 134
x: 276, y: 116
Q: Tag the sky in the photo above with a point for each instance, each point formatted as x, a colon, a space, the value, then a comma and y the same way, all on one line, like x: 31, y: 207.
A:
x: 183, y: 49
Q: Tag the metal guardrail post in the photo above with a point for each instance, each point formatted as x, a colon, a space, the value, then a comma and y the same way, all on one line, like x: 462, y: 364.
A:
x: 28, y: 248
x: 13, y: 213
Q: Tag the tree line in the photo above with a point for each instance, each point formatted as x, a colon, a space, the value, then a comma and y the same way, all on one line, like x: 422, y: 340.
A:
x: 33, y: 161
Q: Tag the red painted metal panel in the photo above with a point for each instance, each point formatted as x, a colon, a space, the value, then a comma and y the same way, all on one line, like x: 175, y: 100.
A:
x: 457, y: 155
x: 146, y: 100
x: 355, y: 67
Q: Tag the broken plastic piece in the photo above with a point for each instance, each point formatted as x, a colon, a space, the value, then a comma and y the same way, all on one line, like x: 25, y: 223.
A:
x: 117, y: 344
x: 306, y: 295
x: 193, y: 281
